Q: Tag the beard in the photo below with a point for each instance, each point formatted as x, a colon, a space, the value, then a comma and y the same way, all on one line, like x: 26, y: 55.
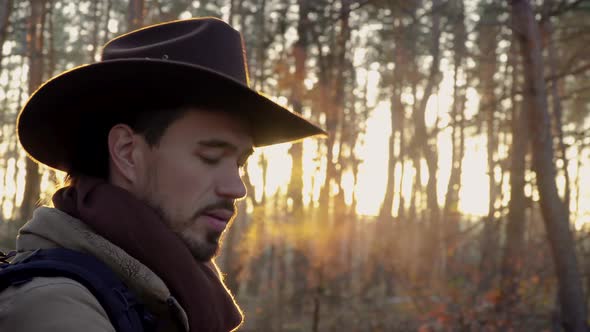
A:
x: 203, y: 250
x: 203, y: 246
x: 202, y: 243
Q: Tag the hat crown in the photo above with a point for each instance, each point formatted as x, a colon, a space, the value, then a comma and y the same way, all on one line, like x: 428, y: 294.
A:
x: 208, y: 43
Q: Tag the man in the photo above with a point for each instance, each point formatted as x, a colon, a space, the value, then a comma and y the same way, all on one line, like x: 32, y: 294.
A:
x: 152, y: 138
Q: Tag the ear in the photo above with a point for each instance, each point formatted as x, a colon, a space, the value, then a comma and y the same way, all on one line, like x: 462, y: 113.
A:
x: 124, y: 146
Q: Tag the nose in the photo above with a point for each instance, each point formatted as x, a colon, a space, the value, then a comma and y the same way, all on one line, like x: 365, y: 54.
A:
x: 231, y: 185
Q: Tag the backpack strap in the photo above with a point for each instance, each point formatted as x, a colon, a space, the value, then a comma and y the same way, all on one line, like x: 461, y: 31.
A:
x: 124, y: 311
x: 5, y: 257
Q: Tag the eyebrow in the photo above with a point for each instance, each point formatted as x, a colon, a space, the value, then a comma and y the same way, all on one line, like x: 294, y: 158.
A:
x: 221, y: 144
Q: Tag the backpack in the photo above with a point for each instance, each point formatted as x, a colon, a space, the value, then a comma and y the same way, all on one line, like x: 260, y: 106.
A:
x: 124, y: 311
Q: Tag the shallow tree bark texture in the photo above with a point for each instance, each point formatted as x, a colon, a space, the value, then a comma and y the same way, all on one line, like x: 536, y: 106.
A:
x: 571, y: 293
x: 517, y: 207
x: 488, y: 44
x: 35, y: 52
x: 5, y: 11
x: 135, y: 14
x: 515, y: 226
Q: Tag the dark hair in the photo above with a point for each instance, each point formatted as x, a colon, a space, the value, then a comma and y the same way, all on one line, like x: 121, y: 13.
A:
x: 92, y: 155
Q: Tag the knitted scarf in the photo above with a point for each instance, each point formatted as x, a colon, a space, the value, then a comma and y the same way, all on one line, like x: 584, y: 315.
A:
x: 118, y: 216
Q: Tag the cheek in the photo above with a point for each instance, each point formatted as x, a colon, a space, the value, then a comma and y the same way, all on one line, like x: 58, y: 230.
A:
x: 183, y: 183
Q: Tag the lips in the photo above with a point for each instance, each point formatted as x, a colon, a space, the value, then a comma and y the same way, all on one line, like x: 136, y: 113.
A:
x: 217, y: 219
x: 220, y: 214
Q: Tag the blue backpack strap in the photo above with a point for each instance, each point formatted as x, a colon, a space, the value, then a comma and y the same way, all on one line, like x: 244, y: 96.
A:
x: 124, y: 311
x: 5, y: 257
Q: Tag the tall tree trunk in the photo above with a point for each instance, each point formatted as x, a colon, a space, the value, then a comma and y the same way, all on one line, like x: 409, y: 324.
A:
x: 35, y: 53
x: 339, y: 63
x: 340, y: 83
x: 415, y: 203
x: 51, y: 64
x: 232, y: 12
x: 135, y: 14
x: 326, y: 102
x: 422, y: 135
x: 95, y: 10
x: 487, y: 40
x: 330, y: 77
x: 175, y: 8
x: 401, y: 206
x: 571, y: 293
x: 295, y: 189
x: 107, y: 13
x: 428, y: 150
x: 557, y: 109
x: 397, y: 114
x: 451, y: 208
x: 415, y: 157
x: 517, y: 207
x: 451, y: 214
x: 13, y: 152
x: 5, y: 11
x: 261, y: 46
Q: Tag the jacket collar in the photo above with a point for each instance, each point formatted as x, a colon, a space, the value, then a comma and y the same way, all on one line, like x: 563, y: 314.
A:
x: 50, y: 228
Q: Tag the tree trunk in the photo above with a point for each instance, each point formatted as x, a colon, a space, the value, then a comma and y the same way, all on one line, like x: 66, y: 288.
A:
x: 487, y: 42
x: 5, y: 11
x: 571, y: 293
x: 557, y: 110
x: 35, y: 52
x: 107, y: 13
x: 515, y: 226
x: 517, y: 207
x: 295, y: 189
x: 428, y: 150
x: 135, y: 14
x: 451, y: 214
x: 11, y: 152
x: 331, y: 80
x: 451, y: 208
x: 51, y: 51
x: 259, y: 76
x: 348, y: 131
x: 397, y: 114
x: 339, y: 102
x: 401, y: 206
x: 95, y: 10
x: 232, y: 10
x: 415, y: 157
x: 421, y: 135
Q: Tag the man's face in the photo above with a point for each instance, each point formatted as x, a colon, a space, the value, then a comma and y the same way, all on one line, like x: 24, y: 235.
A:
x: 192, y: 177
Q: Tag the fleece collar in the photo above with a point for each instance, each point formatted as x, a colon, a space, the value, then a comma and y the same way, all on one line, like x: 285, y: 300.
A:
x: 51, y: 228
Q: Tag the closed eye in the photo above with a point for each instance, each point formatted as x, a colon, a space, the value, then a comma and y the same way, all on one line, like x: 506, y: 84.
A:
x: 213, y: 151
x: 209, y: 160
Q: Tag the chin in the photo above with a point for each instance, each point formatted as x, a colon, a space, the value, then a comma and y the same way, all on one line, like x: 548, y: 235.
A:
x: 202, y: 251
x: 205, y: 256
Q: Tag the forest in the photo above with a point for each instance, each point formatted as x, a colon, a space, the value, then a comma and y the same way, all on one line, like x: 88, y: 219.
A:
x: 453, y: 190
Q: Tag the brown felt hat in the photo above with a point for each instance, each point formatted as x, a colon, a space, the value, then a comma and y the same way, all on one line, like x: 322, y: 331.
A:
x: 162, y: 66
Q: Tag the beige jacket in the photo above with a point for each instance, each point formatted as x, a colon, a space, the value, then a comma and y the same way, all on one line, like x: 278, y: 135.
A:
x: 61, y: 304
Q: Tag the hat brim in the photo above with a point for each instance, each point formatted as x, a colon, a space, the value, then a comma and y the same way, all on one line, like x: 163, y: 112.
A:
x: 88, y: 99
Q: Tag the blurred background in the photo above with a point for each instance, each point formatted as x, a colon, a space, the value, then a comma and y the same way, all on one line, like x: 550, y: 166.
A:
x: 453, y: 193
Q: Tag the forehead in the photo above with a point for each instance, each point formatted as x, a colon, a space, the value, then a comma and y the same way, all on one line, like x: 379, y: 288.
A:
x: 197, y: 124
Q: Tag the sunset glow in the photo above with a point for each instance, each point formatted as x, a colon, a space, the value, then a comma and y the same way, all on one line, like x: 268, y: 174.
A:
x: 372, y: 151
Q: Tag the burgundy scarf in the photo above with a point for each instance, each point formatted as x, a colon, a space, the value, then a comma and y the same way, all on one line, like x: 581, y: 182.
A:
x: 118, y: 216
